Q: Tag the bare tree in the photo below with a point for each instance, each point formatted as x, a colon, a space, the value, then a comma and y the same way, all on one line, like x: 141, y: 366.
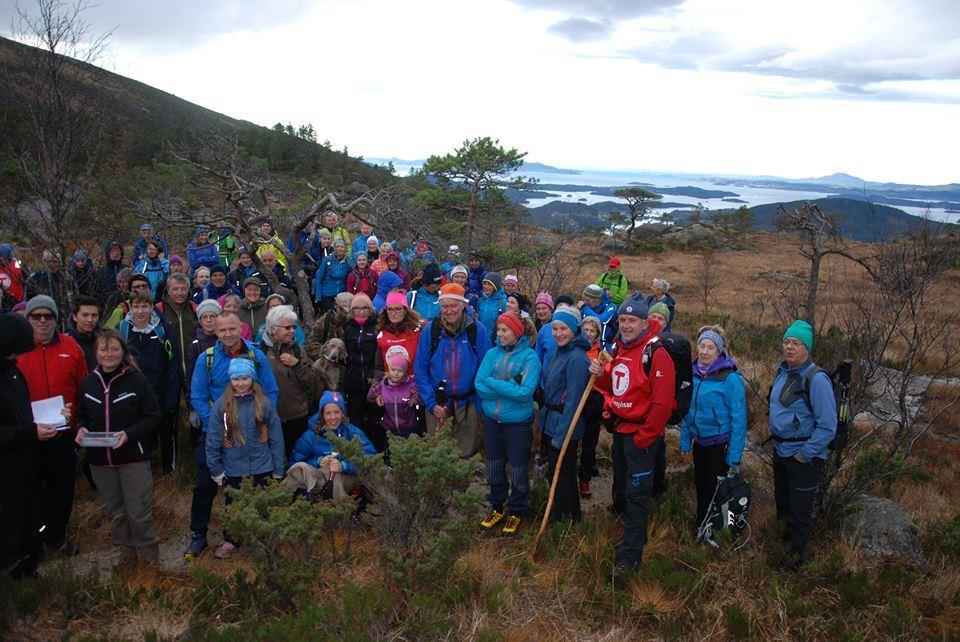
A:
x: 242, y: 195
x: 897, y: 315
x: 707, y: 278
x: 819, y: 237
x: 55, y: 134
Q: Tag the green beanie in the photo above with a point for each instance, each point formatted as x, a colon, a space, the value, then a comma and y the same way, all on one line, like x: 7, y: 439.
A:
x: 800, y: 330
x: 661, y: 309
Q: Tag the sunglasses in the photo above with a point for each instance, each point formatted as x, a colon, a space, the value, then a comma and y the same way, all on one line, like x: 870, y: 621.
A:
x: 286, y: 327
x: 42, y: 316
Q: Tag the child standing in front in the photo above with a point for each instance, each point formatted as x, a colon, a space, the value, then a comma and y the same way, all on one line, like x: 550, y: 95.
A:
x: 397, y: 395
x: 244, y: 437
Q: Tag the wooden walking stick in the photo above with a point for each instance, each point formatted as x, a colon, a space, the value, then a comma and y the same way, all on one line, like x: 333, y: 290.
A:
x: 604, y: 358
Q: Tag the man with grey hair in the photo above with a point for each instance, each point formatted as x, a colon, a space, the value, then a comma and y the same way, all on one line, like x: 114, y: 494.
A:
x: 293, y: 370
x: 47, y: 280
x: 180, y: 313
x: 661, y: 294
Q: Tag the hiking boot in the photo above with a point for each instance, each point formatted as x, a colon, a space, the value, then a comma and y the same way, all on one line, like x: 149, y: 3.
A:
x: 585, y: 490
x: 622, y: 571
x: 492, y: 519
x: 512, y: 525
x: 224, y: 551
x: 197, y: 546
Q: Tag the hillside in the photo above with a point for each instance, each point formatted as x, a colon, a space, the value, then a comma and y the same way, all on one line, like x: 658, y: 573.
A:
x: 144, y: 118
x: 859, y: 220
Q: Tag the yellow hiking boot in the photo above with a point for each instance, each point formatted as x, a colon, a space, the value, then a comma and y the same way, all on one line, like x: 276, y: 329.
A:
x: 492, y: 519
x: 513, y: 523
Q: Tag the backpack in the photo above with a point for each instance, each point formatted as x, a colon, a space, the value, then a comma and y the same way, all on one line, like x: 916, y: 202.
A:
x: 209, y: 354
x: 679, y: 350
x: 840, y: 381
x: 436, y: 328
x: 161, y: 334
x: 728, y: 508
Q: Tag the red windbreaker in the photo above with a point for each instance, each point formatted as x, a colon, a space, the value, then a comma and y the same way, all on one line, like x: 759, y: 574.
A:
x: 407, y: 341
x: 643, y: 404
x: 56, y: 368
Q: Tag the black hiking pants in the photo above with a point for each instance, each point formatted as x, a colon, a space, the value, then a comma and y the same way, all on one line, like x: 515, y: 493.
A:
x: 635, y: 467
x: 709, y: 462
x: 794, y: 489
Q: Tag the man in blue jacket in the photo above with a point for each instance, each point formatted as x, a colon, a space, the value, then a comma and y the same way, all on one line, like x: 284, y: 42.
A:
x: 803, y: 422
x: 140, y: 247
x: 332, y: 276
x: 202, y: 252
x: 597, y: 304
x: 426, y: 299
x: 449, y: 353
x: 210, y: 378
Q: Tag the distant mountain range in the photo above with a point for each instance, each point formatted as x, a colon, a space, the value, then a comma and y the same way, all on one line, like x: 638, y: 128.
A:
x: 527, y: 167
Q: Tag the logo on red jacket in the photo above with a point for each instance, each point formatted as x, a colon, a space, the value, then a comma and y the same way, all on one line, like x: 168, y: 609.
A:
x: 620, y: 376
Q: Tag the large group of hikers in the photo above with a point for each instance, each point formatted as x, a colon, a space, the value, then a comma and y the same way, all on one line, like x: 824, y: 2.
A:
x: 404, y: 343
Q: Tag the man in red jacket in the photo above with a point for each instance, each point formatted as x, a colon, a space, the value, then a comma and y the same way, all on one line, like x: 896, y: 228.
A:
x: 640, y: 386
x: 55, y: 367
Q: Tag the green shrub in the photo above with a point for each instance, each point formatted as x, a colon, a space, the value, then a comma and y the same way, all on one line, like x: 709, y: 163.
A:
x: 283, y: 535
x: 856, y: 589
x: 425, y: 506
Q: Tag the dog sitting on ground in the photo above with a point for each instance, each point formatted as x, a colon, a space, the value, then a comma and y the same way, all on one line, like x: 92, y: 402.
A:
x: 331, y: 364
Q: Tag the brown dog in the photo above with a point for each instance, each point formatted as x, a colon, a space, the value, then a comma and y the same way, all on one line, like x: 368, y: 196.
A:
x: 331, y: 364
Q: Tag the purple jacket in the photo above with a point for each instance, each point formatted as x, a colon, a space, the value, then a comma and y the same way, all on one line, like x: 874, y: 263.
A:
x: 399, y: 405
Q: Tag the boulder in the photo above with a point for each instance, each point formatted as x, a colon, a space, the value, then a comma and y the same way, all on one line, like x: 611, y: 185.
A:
x: 700, y: 235
x: 884, y: 391
x: 879, y: 528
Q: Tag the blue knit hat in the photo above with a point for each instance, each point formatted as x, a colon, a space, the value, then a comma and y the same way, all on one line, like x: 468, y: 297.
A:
x: 332, y: 397
x: 634, y: 307
x: 242, y: 367
x: 569, y: 316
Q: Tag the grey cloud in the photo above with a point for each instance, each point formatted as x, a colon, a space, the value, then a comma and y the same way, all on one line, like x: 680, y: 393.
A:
x: 178, y: 23
x: 609, y: 9
x: 582, y: 29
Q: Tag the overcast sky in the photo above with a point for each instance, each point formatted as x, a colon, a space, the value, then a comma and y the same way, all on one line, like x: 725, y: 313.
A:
x: 797, y: 89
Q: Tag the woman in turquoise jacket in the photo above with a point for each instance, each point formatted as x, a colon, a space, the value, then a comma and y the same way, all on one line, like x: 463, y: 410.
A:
x: 715, y: 428
x: 505, y: 382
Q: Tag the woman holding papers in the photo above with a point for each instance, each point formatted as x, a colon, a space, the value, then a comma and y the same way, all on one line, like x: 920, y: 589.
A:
x: 117, y: 401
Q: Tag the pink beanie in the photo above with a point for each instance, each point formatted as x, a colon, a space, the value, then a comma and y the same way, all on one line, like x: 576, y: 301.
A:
x: 398, y: 361
x: 396, y: 299
x: 544, y: 297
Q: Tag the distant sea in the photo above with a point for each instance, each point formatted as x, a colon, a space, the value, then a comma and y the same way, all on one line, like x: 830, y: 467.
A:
x: 745, y: 192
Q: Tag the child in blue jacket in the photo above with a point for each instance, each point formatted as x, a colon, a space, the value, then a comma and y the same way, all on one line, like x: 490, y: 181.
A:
x: 316, y: 461
x: 244, y: 437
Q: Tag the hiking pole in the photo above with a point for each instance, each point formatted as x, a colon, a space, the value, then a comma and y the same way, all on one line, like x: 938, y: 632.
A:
x: 604, y: 357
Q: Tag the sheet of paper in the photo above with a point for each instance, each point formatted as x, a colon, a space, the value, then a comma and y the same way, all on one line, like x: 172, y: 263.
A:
x: 47, y: 411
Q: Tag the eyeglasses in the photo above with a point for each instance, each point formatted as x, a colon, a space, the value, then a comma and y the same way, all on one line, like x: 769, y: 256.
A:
x: 140, y: 286
x: 286, y: 327
x: 42, y: 316
x: 395, y: 309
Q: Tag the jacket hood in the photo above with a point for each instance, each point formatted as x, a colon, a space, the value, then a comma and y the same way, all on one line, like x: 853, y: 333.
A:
x: 151, y: 324
x: 579, y: 341
x: 106, y: 251
x: 387, y: 281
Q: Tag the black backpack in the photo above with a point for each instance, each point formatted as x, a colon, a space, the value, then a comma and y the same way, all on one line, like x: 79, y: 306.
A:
x: 728, y: 509
x: 680, y: 352
x: 436, y: 328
